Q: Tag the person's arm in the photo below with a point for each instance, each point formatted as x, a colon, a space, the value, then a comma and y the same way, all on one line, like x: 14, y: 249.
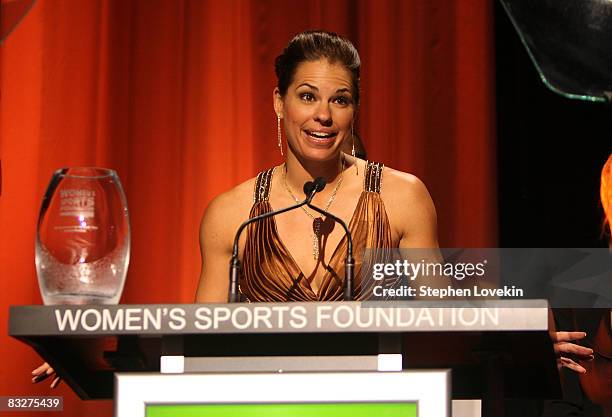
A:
x: 414, y: 215
x: 216, y: 239
x: 418, y: 223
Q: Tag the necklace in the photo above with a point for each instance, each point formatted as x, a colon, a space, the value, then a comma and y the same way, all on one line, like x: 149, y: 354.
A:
x: 316, y: 221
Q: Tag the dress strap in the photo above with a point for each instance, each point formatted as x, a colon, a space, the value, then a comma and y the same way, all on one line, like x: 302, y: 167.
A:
x: 373, y: 177
x: 262, y: 186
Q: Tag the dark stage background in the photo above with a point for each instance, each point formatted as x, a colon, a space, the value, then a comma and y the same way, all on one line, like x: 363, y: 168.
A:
x: 551, y: 151
x: 550, y: 154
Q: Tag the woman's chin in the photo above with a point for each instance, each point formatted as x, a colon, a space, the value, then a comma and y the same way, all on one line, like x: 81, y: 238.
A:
x: 319, y: 154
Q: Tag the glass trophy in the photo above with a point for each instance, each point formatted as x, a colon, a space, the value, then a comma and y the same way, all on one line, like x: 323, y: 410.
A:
x: 83, y: 238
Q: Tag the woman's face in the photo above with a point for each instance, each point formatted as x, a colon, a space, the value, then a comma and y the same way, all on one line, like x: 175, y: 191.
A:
x: 317, y: 109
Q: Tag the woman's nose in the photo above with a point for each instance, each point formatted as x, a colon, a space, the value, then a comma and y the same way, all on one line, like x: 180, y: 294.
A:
x: 323, y: 114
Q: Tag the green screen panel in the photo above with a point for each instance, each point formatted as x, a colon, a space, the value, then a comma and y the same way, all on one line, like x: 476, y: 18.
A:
x: 285, y: 409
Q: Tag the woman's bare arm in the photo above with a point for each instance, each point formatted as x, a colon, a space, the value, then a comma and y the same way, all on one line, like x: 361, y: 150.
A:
x: 216, y: 238
x: 219, y: 224
x: 418, y: 220
x: 413, y: 216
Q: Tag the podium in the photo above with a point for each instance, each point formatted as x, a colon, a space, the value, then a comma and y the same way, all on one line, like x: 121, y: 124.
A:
x: 493, y: 350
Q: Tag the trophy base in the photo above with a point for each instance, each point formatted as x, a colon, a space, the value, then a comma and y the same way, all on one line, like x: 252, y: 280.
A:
x: 78, y: 299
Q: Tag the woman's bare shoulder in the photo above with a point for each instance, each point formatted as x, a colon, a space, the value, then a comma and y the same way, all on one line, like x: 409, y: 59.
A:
x: 226, y: 211
x: 403, y: 186
x: 409, y: 205
x: 240, y: 195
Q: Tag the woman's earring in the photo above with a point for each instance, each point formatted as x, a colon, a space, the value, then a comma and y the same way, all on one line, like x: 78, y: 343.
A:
x: 353, y: 151
x: 278, y: 129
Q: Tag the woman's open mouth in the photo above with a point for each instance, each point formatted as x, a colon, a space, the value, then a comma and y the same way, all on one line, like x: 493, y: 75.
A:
x: 321, y: 138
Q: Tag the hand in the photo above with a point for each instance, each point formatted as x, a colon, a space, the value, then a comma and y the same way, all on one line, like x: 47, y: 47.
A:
x: 43, y: 372
x: 563, y: 348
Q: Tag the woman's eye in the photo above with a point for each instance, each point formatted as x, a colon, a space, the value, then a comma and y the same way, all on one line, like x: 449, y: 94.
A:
x: 307, y: 96
x: 343, y: 101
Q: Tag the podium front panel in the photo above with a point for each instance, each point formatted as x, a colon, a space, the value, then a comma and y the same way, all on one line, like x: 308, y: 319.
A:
x: 403, y: 394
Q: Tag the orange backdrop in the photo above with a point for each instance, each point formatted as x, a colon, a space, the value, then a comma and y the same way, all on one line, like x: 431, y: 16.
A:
x: 177, y: 97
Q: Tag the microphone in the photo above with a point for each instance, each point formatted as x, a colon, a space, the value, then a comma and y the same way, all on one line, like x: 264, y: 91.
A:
x: 312, y: 187
x: 349, y: 263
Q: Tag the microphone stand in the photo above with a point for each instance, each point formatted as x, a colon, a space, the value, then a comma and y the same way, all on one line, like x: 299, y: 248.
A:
x: 234, y: 275
x: 349, y: 264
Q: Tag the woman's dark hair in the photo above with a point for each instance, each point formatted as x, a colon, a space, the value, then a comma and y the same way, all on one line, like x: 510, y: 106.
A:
x: 313, y: 45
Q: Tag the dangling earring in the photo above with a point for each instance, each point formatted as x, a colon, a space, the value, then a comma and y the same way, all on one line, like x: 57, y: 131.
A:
x: 353, y: 151
x: 278, y: 129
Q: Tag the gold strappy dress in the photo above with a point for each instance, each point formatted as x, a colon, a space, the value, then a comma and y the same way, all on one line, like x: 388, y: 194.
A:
x: 271, y: 274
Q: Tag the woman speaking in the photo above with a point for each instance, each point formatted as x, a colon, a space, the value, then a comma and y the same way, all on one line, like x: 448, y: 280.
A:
x: 298, y: 256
